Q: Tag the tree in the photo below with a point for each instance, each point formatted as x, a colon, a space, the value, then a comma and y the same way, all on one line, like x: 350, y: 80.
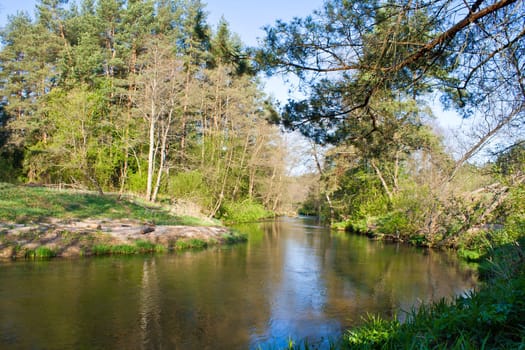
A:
x: 366, y: 68
x: 354, y: 51
x: 76, y: 150
x: 159, y: 87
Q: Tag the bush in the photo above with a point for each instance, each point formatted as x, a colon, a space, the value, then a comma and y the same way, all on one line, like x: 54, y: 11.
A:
x: 190, y: 185
x: 245, y: 211
x: 136, y: 182
x: 352, y: 225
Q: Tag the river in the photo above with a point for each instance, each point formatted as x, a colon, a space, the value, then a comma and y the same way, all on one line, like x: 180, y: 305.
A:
x: 293, y: 279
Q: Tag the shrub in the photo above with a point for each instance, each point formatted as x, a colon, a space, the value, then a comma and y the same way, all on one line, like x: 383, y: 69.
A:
x: 340, y: 226
x: 244, y: 211
x: 190, y: 185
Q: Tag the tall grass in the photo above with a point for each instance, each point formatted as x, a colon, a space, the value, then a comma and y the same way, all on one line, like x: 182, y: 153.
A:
x: 193, y: 243
x: 41, y: 253
x: 138, y: 247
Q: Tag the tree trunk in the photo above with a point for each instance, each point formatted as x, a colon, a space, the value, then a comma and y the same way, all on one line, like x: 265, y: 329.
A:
x: 151, y: 165
x: 383, y: 182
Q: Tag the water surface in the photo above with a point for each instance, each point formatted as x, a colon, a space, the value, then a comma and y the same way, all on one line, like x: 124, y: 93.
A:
x: 293, y: 279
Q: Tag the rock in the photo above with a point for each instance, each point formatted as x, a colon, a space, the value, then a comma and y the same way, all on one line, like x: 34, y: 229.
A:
x: 7, y: 253
x: 146, y: 229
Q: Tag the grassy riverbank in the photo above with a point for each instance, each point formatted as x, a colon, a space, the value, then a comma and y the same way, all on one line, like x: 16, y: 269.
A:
x: 37, y: 222
x: 25, y: 204
x: 492, y: 317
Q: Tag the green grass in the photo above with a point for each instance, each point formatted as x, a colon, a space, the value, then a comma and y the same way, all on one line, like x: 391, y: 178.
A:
x: 124, y: 249
x: 234, y: 237
x: 23, y: 204
x: 101, y: 249
x: 193, y: 243
x: 149, y: 247
x: 138, y: 247
x: 41, y: 253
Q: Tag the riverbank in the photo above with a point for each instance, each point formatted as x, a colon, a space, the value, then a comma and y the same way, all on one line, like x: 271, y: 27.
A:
x: 43, y: 222
x: 492, y: 317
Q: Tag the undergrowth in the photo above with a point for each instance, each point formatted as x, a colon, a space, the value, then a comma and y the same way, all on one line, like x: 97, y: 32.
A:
x: 244, y: 211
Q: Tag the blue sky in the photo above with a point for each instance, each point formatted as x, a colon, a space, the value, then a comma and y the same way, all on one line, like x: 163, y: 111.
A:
x: 246, y: 17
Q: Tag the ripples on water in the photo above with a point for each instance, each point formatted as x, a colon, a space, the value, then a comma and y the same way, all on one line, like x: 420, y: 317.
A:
x: 293, y: 279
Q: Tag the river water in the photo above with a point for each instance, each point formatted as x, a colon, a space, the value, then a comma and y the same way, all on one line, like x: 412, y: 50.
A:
x: 293, y: 280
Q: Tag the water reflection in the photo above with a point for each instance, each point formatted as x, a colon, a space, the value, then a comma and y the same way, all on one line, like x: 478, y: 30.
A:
x: 150, y: 312
x: 292, y: 279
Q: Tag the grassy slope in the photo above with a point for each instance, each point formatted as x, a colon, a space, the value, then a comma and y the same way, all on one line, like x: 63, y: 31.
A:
x: 22, y: 204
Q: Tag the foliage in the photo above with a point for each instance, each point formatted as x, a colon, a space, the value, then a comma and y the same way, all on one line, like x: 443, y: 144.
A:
x: 139, y: 96
x: 245, y: 211
x: 41, y: 253
x: 366, y: 70
x: 190, y: 185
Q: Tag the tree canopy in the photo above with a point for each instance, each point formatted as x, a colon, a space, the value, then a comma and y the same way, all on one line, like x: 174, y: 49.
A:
x: 136, y: 96
x: 369, y: 71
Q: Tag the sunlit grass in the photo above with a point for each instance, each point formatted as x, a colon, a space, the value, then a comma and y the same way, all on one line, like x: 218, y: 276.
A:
x: 41, y: 253
x: 22, y: 204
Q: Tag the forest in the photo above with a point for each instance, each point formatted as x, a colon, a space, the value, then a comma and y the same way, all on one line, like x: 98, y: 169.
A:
x: 138, y: 97
x: 146, y: 97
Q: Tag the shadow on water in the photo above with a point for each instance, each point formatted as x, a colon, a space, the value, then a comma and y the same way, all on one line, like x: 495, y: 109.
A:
x: 294, y: 279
